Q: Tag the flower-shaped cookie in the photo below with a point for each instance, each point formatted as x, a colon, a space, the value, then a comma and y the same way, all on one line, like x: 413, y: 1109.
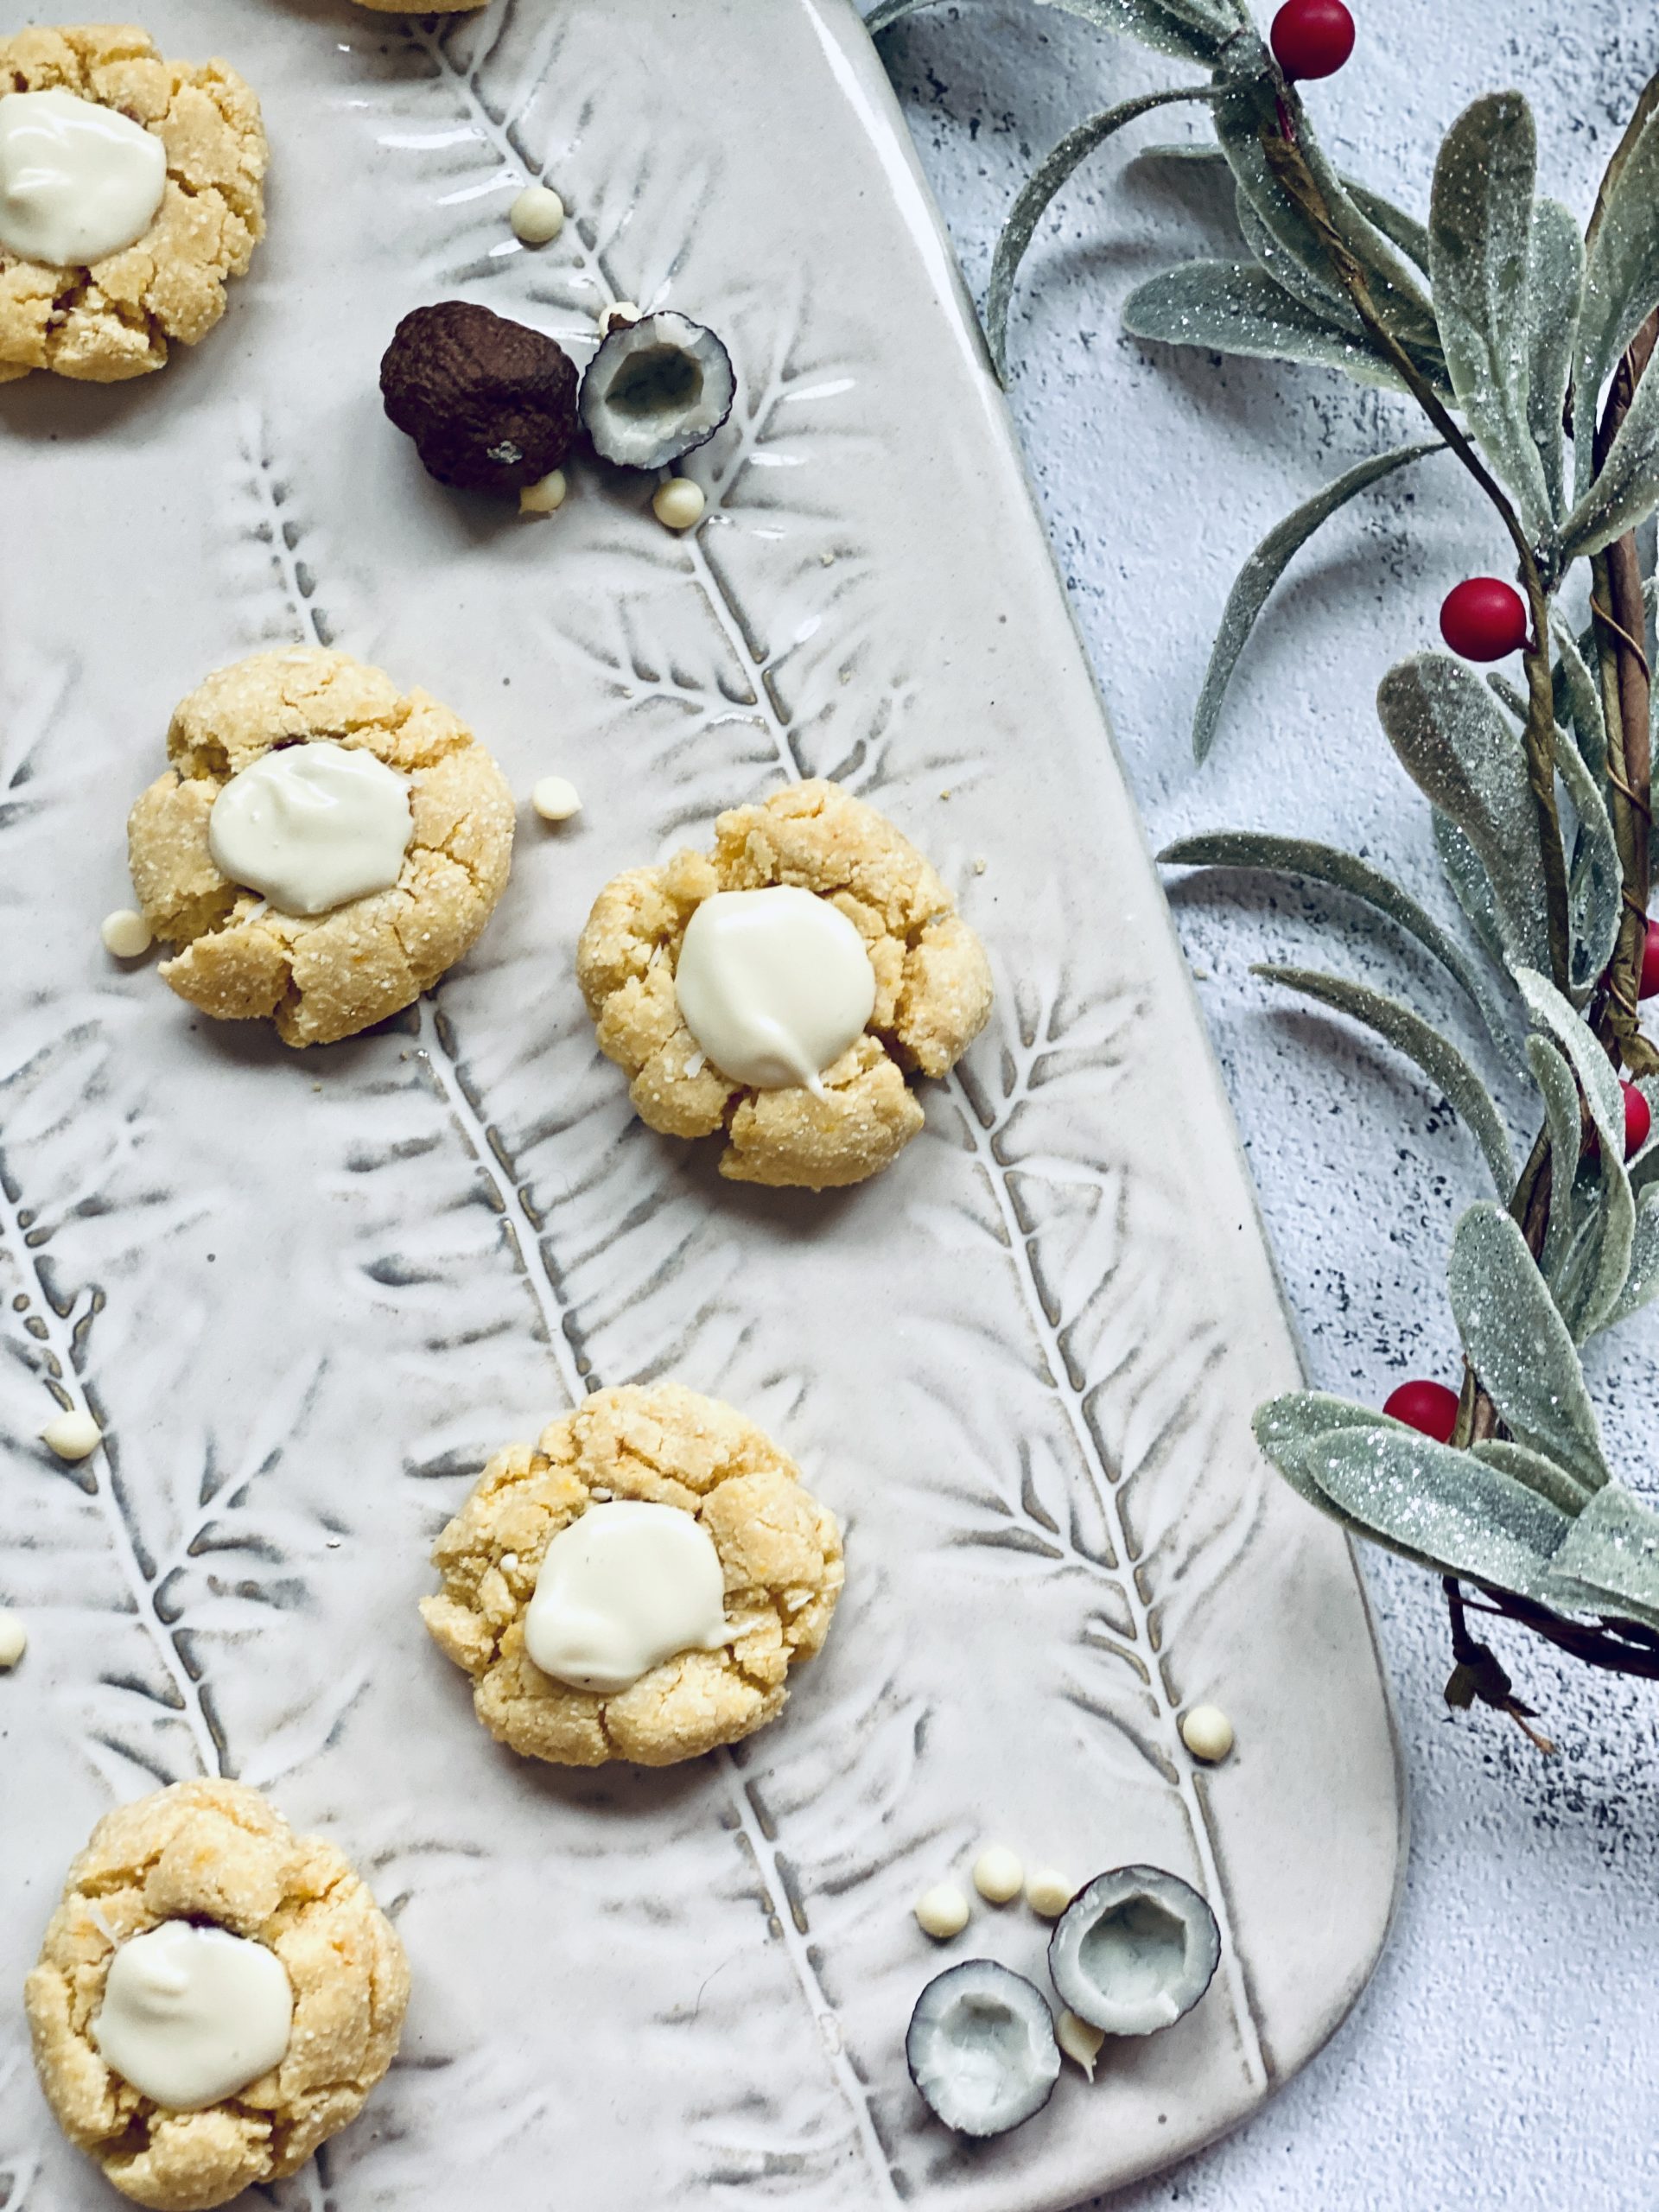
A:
x: 321, y: 975
x: 114, y: 317
x: 932, y: 988
x: 778, y: 1551
x: 215, y: 1852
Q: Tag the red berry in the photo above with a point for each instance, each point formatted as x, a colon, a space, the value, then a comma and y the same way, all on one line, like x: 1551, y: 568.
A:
x: 1649, y: 984
x: 1429, y: 1406
x: 1639, y: 1120
x: 1484, y: 618
x: 1312, y: 38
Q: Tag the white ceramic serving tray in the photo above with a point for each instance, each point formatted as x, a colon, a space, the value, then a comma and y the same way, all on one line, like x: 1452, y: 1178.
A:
x: 308, y: 1294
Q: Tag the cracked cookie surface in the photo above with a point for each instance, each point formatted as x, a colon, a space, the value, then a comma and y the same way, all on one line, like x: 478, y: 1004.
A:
x: 115, y: 318
x: 324, y: 976
x: 933, y: 989
x: 216, y: 1852
x: 779, y: 1549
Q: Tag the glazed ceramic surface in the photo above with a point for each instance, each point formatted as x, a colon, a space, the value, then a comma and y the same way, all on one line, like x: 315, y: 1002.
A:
x: 307, y: 1294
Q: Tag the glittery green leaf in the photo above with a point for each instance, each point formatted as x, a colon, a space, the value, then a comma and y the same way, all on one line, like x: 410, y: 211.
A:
x: 1401, y: 229
x: 1251, y: 104
x: 1480, y: 243
x: 1291, y: 1432
x: 1251, y: 849
x: 1566, y: 1117
x: 1608, y: 1563
x: 1556, y: 282
x: 1467, y: 759
x: 1642, y: 1283
x: 1432, y: 1503
x: 1190, y: 30
x: 1550, y: 1480
x: 1320, y: 294
x: 1235, y: 307
x: 1592, y: 1276
x: 1264, y: 570
x: 1595, y: 880
x: 1407, y: 1031
x: 1621, y: 283
x: 1471, y: 885
x: 1040, y: 189
x: 1627, y: 490
x: 1578, y: 701
x: 1519, y: 1345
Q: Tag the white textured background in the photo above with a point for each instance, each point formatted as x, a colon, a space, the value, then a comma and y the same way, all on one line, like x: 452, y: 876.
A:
x: 1505, y: 2054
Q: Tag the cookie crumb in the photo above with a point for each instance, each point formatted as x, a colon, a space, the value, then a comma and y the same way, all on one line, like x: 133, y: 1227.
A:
x: 1080, y: 2042
x: 1048, y: 1893
x: 537, y: 215
x: 13, y: 1639
x: 126, y: 934
x: 942, y: 1911
x: 998, y: 1875
x: 73, y: 1435
x: 555, y: 798
x: 678, y: 504
x: 545, y: 498
x: 1207, y: 1732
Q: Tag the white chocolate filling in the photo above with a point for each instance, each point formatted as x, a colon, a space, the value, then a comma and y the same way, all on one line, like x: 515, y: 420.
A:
x: 77, y: 182
x: 310, y: 826
x: 191, y: 2015
x: 774, y: 985
x: 620, y: 1590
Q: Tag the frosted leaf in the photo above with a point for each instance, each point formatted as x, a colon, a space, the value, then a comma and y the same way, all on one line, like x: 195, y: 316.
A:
x: 1399, y: 227
x: 1322, y: 294
x: 1264, y: 568
x: 1235, y: 307
x: 1250, y: 849
x: 1190, y: 30
x: 1554, y: 283
x: 1560, y: 1094
x: 1642, y: 1282
x: 1578, y: 693
x: 1594, y: 1272
x: 1468, y: 761
x: 1040, y: 189
x: 1519, y: 1345
x: 1407, y: 1031
x: 1480, y: 226
x: 1551, y: 1481
x: 1621, y: 283
x: 1595, y: 880
x: 1471, y: 885
x: 1627, y: 490
x: 1292, y: 1431
x: 1609, y: 1562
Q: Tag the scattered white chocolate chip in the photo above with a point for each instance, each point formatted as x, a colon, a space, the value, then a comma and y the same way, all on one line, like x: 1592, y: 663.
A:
x: 979, y: 868
x: 14, y: 1640
x: 942, y: 1911
x: 1079, y: 2041
x: 1048, y: 1892
x: 73, y: 1435
x: 537, y: 215
x: 679, y: 503
x: 1207, y: 1732
x: 555, y: 798
x: 998, y: 1875
x: 618, y: 311
x: 545, y: 498
x: 125, y: 933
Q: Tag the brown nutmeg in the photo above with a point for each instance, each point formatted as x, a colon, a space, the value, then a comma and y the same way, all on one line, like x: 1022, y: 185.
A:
x: 490, y: 405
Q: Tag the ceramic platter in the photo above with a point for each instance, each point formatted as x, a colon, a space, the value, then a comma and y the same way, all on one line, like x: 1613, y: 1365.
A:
x: 308, y: 1294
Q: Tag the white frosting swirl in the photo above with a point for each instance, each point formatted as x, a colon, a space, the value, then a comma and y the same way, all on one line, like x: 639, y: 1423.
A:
x: 191, y: 2015
x: 77, y: 182
x: 311, y: 826
x: 774, y: 985
x: 620, y: 1590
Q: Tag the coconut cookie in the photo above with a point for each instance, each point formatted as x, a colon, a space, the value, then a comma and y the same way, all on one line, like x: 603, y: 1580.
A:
x: 215, y: 1998
x: 131, y: 191
x: 780, y: 987
x: 322, y: 847
x: 639, y: 1586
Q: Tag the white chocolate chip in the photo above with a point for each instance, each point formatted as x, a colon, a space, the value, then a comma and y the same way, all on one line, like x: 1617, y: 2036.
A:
x: 618, y: 311
x: 537, y: 215
x: 545, y: 498
x: 942, y: 1911
x: 73, y: 1435
x: 14, y: 1640
x: 1048, y: 1893
x: 126, y: 934
x: 1079, y: 2041
x: 1207, y: 1732
x: 998, y: 1875
x: 678, y: 504
x: 555, y: 798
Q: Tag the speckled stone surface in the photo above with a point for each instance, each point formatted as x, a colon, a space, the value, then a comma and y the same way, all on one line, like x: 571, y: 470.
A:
x: 1504, y: 2054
